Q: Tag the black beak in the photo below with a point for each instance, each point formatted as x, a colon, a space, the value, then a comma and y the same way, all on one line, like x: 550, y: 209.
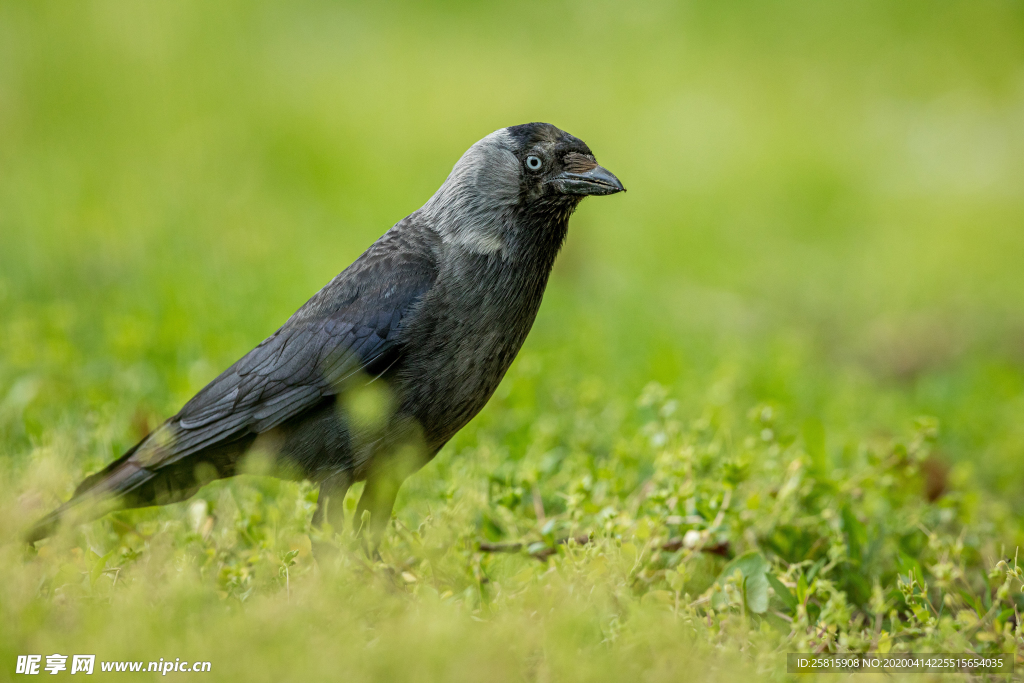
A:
x: 596, y: 181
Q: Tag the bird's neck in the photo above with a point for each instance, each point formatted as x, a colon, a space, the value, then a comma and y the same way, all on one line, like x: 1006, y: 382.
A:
x: 505, y: 286
x: 496, y: 224
x: 540, y: 231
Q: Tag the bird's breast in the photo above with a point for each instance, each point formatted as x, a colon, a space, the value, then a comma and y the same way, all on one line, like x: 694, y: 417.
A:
x: 466, y: 335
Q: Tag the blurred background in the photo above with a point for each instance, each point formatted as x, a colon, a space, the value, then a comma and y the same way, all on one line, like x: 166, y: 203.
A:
x: 824, y: 211
x: 820, y: 259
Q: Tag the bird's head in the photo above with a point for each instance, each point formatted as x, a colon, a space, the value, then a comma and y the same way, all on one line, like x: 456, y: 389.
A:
x: 515, y: 178
x: 554, y: 164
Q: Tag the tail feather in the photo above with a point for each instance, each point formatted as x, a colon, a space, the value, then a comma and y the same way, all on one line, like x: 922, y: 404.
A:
x: 127, y: 483
x: 94, y: 497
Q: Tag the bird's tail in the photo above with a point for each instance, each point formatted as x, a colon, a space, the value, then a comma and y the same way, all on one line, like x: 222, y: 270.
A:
x: 94, y: 497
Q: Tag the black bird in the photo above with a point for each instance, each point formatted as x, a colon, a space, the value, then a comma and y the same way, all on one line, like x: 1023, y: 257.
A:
x: 375, y: 373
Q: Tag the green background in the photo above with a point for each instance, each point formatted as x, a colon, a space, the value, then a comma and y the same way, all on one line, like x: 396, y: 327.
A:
x: 824, y: 216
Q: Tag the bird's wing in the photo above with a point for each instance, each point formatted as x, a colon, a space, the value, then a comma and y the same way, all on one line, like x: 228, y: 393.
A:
x: 349, y: 327
x: 352, y: 325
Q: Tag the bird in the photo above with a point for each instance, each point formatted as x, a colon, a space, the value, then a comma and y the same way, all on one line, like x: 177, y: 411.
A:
x: 371, y: 377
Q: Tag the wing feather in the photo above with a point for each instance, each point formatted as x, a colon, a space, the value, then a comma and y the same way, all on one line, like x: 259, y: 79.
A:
x: 351, y: 325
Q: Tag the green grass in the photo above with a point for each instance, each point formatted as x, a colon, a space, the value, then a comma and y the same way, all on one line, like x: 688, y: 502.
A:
x: 807, y: 306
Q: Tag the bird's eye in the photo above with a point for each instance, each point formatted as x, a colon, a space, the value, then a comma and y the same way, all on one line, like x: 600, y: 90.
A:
x: 533, y: 163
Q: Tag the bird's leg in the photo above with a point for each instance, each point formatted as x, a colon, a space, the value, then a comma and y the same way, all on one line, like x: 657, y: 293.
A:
x: 330, y: 507
x: 378, y: 498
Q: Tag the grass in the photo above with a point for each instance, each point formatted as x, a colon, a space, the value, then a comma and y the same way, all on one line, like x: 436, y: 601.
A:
x: 795, y: 347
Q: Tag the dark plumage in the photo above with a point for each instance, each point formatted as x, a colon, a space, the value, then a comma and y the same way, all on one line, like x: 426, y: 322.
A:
x: 375, y: 373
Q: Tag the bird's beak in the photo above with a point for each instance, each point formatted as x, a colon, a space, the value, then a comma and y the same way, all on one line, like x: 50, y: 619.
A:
x: 596, y: 181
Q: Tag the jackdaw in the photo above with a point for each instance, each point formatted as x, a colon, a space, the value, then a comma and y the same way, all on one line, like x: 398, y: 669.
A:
x: 375, y: 373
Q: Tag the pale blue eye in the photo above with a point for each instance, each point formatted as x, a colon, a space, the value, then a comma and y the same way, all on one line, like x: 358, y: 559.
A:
x: 533, y: 163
